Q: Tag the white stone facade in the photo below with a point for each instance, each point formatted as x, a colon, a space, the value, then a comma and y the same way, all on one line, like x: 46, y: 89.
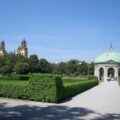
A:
x: 106, y: 66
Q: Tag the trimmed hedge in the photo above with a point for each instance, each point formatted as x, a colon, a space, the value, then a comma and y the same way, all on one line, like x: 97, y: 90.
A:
x: 45, y: 88
x: 72, y: 90
x: 42, y: 87
x: 15, y: 77
x: 14, y: 91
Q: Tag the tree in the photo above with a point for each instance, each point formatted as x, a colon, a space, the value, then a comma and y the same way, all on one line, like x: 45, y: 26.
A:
x: 22, y: 68
x: 62, y: 68
x: 44, y: 66
x: 2, y: 61
x: 21, y: 59
x: 82, y: 68
x: 33, y: 62
x: 71, y: 67
x: 7, y: 63
x: 10, y: 59
x: 91, y: 68
x: 54, y: 67
x: 6, y: 70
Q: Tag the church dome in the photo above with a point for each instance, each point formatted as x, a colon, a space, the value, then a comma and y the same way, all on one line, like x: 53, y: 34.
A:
x: 108, y: 56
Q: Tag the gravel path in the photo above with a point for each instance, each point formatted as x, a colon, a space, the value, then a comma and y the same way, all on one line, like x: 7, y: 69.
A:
x: 99, y: 103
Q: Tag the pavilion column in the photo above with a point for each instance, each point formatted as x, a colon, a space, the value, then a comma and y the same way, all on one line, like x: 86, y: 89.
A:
x: 116, y: 72
x: 96, y: 72
x: 105, y: 73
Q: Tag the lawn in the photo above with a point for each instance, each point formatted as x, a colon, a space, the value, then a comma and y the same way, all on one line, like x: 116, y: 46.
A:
x: 66, y: 82
x: 69, y: 82
x: 14, y: 82
x: 81, y: 77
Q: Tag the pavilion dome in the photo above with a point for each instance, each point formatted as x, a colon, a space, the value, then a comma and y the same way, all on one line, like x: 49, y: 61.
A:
x: 108, y: 56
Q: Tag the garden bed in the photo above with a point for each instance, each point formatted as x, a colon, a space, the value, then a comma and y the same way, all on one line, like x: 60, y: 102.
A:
x: 44, y: 87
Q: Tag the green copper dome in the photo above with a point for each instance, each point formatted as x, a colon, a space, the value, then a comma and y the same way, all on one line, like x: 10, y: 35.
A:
x: 108, y: 56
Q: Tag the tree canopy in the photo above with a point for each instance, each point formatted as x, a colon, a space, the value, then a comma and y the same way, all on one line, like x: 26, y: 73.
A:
x: 12, y: 63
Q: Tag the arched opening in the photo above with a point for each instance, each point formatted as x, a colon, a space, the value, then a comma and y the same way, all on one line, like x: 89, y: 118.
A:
x: 111, y: 74
x: 119, y: 73
x: 101, y: 74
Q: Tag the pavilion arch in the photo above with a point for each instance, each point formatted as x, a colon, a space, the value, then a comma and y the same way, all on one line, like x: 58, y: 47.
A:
x: 111, y: 72
x: 119, y: 72
x: 101, y: 73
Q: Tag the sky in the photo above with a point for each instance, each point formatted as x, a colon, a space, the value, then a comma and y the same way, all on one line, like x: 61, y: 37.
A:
x: 60, y: 30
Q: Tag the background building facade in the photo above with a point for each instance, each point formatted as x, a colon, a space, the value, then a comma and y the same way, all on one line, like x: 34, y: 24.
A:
x: 22, y: 49
x: 2, y: 48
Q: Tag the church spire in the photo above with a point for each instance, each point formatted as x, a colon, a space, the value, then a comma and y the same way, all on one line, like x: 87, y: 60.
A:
x: 111, y: 48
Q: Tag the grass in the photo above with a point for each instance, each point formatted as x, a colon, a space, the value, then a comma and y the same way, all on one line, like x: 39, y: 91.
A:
x: 66, y: 82
x: 14, y: 82
x: 69, y: 82
x: 81, y: 77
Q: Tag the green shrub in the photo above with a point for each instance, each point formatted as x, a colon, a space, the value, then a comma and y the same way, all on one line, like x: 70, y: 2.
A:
x: 24, y: 77
x: 46, y: 87
x: 42, y: 87
x: 22, y: 68
x: 6, y: 70
x: 74, y: 89
x: 14, y: 91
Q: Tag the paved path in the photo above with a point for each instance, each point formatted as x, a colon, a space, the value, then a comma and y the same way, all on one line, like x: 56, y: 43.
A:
x: 99, y: 103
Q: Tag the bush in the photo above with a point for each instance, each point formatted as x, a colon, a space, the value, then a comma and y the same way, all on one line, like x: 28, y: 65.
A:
x: 22, y: 68
x: 46, y: 87
x: 14, y: 91
x: 82, y: 86
x: 78, y: 87
x: 42, y: 87
x: 6, y: 70
x: 24, y: 77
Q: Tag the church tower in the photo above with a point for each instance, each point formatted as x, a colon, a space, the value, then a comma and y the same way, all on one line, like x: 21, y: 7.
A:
x: 22, y: 49
x: 2, y: 48
x: 111, y: 48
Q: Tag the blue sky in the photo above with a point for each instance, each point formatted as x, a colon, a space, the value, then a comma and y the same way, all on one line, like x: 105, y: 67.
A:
x: 59, y: 30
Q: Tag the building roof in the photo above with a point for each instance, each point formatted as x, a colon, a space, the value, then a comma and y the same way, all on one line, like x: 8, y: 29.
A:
x: 108, y: 56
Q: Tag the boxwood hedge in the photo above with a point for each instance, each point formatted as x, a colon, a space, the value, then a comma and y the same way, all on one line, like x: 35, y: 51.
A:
x: 74, y: 89
x: 45, y: 88
x: 42, y: 87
